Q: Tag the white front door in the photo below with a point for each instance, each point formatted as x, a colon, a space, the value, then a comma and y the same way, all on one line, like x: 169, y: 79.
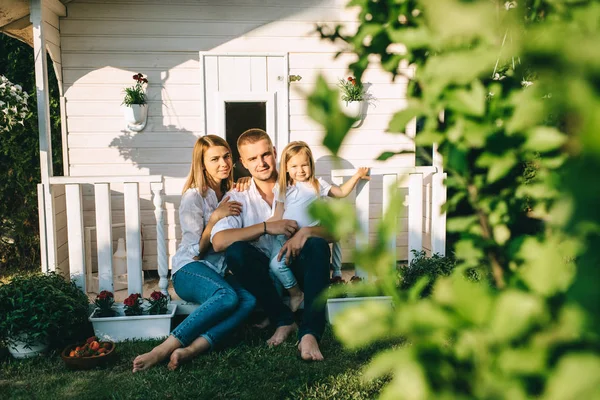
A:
x: 243, y: 91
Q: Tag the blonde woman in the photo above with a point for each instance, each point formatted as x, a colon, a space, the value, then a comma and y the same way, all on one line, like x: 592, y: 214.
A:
x: 198, y: 272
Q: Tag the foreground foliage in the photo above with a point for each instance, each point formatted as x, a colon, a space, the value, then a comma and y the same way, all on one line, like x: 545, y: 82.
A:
x: 516, y: 86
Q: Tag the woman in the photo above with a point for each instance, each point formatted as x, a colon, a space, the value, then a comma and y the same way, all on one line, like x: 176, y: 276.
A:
x: 198, y: 273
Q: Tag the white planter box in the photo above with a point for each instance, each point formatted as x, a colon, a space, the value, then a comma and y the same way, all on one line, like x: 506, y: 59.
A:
x: 18, y: 349
x: 123, y: 327
x: 336, y: 306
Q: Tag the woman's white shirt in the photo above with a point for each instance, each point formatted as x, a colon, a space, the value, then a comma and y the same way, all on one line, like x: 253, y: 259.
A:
x: 194, y: 214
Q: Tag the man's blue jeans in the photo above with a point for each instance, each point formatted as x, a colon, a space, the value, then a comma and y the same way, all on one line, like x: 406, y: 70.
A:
x: 311, y: 268
x: 224, y: 304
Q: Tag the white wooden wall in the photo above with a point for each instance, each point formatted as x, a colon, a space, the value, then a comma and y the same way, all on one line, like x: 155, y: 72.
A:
x: 105, y: 42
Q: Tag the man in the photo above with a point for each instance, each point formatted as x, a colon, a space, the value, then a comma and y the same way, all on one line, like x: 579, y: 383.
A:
x: 246, y: 240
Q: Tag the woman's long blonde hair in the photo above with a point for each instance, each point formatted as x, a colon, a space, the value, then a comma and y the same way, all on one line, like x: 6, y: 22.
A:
x: 292, y: 149
x: 198, y: 178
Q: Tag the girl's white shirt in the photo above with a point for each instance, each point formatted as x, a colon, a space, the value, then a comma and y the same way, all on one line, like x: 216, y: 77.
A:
x: 194, y: 214
x: 298, y: 198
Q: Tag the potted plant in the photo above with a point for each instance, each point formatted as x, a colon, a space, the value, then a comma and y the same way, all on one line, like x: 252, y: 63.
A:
x: 136, y: 109
x: 342, y: 296
x: 135, y: 318
x: 353, y: 96
x: 39, y: 308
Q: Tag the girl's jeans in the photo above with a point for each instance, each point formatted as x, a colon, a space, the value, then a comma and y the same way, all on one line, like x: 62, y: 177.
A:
x: 279, y: 268
x: 224, y: 304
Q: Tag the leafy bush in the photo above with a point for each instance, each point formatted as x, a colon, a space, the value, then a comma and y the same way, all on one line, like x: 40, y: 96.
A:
x: 41, y: 307
x: 20, y: 163
x: 432, y: 268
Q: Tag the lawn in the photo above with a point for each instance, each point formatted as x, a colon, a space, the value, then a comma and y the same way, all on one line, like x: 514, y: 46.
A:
x: 246, y: 369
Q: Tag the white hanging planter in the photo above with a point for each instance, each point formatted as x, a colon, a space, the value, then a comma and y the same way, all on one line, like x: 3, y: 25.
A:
x: 336, y: 306
x: 19, y: 349
x: 353, y: 109
x: 123, y: 327
x: 136, y: 116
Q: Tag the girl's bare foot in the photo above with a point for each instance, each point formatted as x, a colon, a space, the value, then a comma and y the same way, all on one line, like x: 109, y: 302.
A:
x: 296, y: 300
x: 281, y: 334
x: 180, y: 356
x: 262, y: 324
x: 309, y: 348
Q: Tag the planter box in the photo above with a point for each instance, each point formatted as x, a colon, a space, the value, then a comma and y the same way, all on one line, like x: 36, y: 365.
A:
x: 123, y: 327
x: 336, y: 306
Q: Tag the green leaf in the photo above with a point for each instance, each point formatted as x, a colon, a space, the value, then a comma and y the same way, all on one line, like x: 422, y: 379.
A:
x: 460, y: 224
x: 544, y: 139
x: 577, y: 376
x: 386, y: 155
x: 515, y: 313
x: 402, y: 118
x: 469, y: 102
x: 501, y: 167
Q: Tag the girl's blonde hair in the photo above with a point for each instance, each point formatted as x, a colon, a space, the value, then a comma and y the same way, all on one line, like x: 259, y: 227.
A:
x: 198, y: 178
x: 292, y: 149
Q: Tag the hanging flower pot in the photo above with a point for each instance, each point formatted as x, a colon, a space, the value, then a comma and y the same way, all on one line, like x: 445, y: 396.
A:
x: 136, y: 109
x: 353, y: 109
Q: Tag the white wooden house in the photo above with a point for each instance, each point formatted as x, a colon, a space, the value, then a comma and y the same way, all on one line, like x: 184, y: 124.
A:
x: 214, y: 67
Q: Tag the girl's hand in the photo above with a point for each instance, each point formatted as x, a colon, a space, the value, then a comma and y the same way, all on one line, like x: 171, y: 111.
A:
x: 226, y: 208
x: 363, y: 173
x: 242, y: 184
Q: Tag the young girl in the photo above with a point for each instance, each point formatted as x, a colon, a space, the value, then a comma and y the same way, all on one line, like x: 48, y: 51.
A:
x: 296, y: 189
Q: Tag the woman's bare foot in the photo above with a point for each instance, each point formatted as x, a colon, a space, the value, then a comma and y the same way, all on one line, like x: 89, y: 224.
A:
x: 180, y: 356
x: 262, y: 324
x: 296, y: 300
x: 281, y: 334
x: 158, y: 354
x: 148, y: 360
x: 309, y: 348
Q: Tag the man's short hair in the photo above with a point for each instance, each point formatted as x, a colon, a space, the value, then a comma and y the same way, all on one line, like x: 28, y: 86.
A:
x: 252, y: 136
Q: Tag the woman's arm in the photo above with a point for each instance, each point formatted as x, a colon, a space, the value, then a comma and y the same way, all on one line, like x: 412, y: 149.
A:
x: 344, y: 190
x: 225, y: 209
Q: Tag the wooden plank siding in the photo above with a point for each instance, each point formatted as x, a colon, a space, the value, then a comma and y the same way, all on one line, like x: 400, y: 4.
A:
x: 104, y: 43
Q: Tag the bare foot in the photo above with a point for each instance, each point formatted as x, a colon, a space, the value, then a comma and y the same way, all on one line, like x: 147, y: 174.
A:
x: 309, y: 348
x: 180, y: 356
x: 148, y: 360
x: 262, y: 324
x: 281, y: 334
x: 295, y: 301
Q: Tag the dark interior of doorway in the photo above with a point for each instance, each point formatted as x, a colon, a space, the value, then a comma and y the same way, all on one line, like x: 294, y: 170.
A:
x: 239, y: 117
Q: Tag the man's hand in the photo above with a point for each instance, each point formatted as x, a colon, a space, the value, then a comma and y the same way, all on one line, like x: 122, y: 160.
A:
x: 292, y: 247
x: 285, y: 227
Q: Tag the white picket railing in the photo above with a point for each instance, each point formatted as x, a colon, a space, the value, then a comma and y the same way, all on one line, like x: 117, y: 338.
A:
x: 413, y: 178
x: 104, y: 240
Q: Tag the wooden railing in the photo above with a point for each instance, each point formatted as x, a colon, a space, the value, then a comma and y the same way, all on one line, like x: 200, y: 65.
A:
x: 413, y: 179
x: 104, y: 240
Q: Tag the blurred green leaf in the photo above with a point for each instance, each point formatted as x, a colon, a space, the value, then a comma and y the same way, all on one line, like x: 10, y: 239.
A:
x: 544, y: 139
x: 576, y: 376
x: 515, y: 313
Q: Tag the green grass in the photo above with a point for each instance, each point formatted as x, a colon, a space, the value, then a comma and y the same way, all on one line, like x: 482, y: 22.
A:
x: 246, y: 369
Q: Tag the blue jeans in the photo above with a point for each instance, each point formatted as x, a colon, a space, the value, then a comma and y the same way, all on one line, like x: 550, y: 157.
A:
x: 224, y: 304
x: 251, y: 268
x: 280, y: 268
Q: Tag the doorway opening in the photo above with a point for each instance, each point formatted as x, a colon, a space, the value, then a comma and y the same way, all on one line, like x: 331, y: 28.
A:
x: 239, y: 117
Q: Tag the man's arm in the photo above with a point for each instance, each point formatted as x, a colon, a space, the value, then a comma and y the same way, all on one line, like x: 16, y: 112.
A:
x: 293, y: 246
x: 223, y: 239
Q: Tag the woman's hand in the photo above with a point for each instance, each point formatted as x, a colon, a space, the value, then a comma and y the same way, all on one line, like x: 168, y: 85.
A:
x: 226, y: 208
x: 291, y: 249
x: 242, y: 184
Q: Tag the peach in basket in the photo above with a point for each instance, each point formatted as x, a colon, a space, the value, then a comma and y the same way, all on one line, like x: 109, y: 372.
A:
x: 88, y: 355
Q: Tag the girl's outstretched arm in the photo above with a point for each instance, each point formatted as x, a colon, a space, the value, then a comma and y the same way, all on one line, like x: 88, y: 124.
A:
x: 344, y: 190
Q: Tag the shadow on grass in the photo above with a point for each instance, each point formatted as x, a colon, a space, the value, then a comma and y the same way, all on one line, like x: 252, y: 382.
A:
x: 247, y: 369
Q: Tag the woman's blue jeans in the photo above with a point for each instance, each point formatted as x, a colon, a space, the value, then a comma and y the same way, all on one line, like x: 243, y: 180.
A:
x: 224, y: 304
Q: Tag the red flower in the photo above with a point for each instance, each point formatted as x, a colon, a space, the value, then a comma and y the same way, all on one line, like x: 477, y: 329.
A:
x: 136, y: 77
x: 105, y: 294
x: 145, y: 80
x: 156, y: 295
x: 129, y: 302
x: 350, y: 79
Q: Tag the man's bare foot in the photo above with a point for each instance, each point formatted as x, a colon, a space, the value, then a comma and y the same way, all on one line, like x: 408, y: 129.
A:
x: 281, y: 334
x: 296, y: 300
x: 262, y: 324
x: 180, y: 356
x: 148, y: 360
x: 309, y: 348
